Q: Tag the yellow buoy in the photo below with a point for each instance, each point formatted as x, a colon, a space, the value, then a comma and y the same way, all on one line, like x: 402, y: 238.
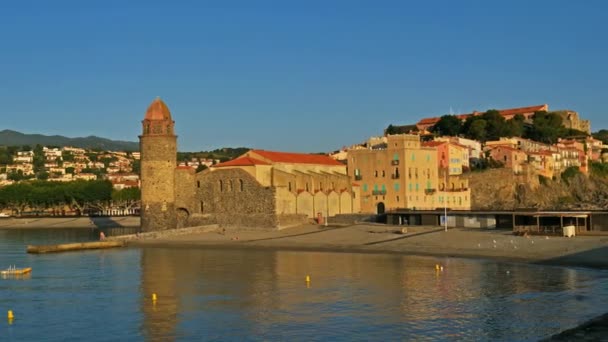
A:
x: 10, y: 314
x: 308, y: 279
x: 154, y: 297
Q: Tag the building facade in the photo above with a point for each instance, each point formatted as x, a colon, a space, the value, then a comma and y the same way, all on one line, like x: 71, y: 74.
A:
x: 404, y: 174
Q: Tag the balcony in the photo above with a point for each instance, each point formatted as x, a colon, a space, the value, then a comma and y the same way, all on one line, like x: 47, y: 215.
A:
x: 395, y: 162
x: 430, y: 191
x: 358, y: 177
x: 379, y: 192
x: 395, y: 176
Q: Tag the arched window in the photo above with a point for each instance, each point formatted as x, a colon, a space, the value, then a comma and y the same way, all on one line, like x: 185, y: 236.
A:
x: 198, y: 184
x: 202, y: 207
x: 241, y: 185
x: 289, y: 186
x: 230, y: 185
x: 453, y: 186
x: 307, y: 189
x: 221, y: 185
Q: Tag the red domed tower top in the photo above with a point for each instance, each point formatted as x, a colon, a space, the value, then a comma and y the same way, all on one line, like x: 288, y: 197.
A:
x: 158, y: 119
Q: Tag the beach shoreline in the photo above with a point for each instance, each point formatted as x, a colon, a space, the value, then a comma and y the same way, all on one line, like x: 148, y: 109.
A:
x: 500, y: 245
x: 432, y: 241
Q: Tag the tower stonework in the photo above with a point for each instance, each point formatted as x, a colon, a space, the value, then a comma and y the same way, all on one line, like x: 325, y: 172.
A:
x: 158, y: 147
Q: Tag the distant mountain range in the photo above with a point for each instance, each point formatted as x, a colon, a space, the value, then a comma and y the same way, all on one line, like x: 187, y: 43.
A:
x: 13, y: 138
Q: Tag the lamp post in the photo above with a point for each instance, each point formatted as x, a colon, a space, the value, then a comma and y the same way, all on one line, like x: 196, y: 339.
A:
x: 445, y: 202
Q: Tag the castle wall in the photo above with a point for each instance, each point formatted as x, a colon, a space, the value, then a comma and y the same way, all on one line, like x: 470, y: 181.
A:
x: 232, y: 197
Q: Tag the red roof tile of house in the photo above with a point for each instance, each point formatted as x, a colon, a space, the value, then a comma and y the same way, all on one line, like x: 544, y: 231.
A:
x: 504, y: 112
x: 242, y: 161
x: 297, y: 158
x: 521, y: 110
x: 432, y: 143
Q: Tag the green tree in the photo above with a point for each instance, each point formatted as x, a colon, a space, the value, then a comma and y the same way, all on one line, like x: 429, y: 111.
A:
x: 201, y: 167
x: 391, y: 130
x: 602, y: 135
x: 126, y: 198
x: 136, y: 166
x: 495, y: 124
x: 546, y: 127
x: 569, y: 173
x: 515, y: 127
x: 38, y: 160
x: 448, y: 125
x: 69, y: 170
x: 43, y: 175
x: 477, y: 130
x: 67, y: 156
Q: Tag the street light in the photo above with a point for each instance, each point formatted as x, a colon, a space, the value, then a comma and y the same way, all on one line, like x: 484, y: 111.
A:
x: 445, y: 202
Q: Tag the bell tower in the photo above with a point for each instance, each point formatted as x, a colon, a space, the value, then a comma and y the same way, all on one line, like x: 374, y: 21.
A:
x: 158, y: 146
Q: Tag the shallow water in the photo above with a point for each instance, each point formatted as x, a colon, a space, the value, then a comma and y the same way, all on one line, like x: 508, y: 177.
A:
x: 215, y: 294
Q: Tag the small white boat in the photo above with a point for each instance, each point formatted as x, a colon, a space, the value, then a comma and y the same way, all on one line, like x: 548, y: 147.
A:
x: 12, y: 270
x: 4, y: 215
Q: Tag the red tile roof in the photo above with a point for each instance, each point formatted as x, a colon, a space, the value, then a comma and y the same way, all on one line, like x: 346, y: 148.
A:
x: 242, y: 161
x: 297, y: 158
x: 503, y: 112
x: 433, y: 143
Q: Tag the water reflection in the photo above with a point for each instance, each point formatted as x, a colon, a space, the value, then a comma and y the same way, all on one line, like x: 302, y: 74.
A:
x: 263, y: 295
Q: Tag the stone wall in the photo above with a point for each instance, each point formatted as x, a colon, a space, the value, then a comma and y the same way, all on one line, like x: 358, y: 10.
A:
x: 185, y: 191
x: 290, y: 220
x: 232, y: 197
x: 158, y: 165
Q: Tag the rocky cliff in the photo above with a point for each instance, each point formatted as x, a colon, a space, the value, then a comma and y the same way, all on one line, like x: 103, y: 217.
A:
x: 500, y: 189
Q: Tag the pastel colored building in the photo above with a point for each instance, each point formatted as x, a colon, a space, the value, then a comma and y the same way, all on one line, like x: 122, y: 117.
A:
x: 404, y: 174
x: 510, y: 157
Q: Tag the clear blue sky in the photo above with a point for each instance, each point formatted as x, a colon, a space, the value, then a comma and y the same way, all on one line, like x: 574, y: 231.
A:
x: 305, y: 76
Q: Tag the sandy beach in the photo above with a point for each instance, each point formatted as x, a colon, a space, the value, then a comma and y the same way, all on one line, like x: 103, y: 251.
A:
x: 585, y: 251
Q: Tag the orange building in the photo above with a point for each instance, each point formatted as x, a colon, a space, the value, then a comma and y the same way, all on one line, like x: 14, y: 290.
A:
x: 512, y: 158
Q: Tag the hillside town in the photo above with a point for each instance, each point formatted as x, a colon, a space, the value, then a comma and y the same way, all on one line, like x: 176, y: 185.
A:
x: 408, y: 167
x: 66, y: 164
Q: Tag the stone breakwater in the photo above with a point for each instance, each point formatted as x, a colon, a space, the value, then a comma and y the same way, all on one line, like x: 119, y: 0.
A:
x: 165, y: 234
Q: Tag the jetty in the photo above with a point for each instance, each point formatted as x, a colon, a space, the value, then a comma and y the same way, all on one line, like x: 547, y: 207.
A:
x: 66, y: 247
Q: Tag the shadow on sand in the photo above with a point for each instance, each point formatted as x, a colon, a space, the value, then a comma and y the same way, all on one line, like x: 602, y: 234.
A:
x: 113, y: 226
x: 593, y: 258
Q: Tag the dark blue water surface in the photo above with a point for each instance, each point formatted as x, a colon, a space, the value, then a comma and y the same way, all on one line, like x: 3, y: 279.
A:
x: 213, y: 294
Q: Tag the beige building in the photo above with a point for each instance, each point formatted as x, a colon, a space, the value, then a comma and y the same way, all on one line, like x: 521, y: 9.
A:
x: 303, y: 184
x: 404, y: 174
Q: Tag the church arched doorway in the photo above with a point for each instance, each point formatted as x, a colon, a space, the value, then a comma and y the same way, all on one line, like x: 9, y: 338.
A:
x: 182, y: 217
x: 380, y: 208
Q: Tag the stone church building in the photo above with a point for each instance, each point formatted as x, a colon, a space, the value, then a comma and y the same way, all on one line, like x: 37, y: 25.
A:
x: 260, y: 189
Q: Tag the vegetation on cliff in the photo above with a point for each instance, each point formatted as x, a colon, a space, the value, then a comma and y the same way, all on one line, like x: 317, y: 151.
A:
x: 545, y: 127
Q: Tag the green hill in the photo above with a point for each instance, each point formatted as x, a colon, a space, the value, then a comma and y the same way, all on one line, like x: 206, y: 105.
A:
x: 13, y: 138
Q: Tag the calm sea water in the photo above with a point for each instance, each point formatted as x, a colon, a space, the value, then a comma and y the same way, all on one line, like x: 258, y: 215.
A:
x: 244, y: 295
